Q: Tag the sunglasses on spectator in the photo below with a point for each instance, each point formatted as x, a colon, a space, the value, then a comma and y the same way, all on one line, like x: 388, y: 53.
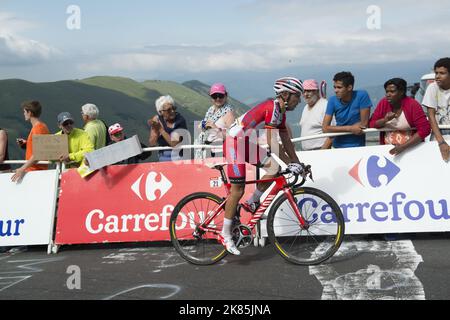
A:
x: 67, y: 123
x: 169, y: 109
x: 216, y: 96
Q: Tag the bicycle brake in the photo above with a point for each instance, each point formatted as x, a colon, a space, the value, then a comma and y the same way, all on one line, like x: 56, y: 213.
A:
x: 308, y: 173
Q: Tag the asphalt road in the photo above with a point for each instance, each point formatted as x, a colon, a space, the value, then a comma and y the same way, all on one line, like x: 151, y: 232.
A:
x: 413, y: 267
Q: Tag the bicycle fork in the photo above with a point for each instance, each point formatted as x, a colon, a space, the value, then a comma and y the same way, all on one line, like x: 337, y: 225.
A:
x: 290, y: 196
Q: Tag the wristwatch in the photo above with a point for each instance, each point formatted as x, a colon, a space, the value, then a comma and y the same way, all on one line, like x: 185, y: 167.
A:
x: 442, y: 142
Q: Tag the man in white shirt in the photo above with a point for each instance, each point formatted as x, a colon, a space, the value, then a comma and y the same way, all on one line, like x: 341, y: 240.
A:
x: 312, y: 117
x: 437, y: 100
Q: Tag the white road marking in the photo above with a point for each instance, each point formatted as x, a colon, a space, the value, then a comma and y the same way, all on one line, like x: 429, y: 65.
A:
x: 398, y: 282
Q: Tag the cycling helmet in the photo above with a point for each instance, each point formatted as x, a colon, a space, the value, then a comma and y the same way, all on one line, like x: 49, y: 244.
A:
x: 289, y: 84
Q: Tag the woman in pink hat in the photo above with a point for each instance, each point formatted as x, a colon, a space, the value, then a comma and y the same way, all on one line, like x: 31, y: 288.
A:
x: 219, y: 116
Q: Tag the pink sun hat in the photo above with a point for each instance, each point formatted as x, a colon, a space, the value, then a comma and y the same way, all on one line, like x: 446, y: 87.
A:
x: 310, y: 84
x: 218, y: 88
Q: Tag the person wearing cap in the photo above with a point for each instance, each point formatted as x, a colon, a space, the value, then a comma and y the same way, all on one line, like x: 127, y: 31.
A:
x: 79, y: 141
x: 312, y: 117
x: 165, y: 128
x: 117, y: 134
x: 95, y: 128
x: 219, y: 117
x: 32, y: 110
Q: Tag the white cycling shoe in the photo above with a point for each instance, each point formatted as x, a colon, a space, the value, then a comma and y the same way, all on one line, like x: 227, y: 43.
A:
x: 230, y: 246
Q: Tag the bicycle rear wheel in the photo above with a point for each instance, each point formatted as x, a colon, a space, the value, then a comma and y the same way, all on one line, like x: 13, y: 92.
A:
x: 196, y: 246
x: 317, y: 242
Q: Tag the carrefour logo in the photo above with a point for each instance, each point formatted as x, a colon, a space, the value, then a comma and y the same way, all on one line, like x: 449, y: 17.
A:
x: 151, y: 186
x: 370, y: 171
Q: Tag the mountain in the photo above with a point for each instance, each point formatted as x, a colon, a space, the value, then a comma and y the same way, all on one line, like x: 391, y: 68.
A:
x: 119, y: 99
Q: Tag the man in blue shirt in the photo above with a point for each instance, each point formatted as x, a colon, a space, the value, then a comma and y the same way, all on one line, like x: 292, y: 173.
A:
x: 351, y: 108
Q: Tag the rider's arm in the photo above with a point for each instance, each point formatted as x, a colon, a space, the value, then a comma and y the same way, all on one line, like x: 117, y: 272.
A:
x: 288, y: 146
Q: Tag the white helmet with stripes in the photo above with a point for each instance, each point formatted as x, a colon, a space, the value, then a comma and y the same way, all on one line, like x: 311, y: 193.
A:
x: 288, y: 84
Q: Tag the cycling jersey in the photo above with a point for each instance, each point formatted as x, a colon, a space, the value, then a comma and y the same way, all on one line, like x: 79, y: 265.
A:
x: 239, y: 149
x: 268, y: 115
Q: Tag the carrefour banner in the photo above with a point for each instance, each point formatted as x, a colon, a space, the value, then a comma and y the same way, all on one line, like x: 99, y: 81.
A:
x: 380, y: 193
x: 129, y: 203
x: 27, y: 209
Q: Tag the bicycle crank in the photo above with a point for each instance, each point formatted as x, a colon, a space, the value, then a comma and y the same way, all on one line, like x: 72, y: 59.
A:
x: 242, y: 236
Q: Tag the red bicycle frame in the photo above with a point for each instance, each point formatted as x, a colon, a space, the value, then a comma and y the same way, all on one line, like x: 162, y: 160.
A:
x: 280, y: 185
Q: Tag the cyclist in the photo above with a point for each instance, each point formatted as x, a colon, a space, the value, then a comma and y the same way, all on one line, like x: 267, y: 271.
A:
x: 239, y: 149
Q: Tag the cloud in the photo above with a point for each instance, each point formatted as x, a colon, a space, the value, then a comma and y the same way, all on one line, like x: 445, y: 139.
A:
x: 299, y: 33
x: 184, y: 58
x: 18, y: 50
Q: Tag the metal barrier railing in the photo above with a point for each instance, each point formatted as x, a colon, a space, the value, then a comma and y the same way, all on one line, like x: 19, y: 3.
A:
x: 196, y: 146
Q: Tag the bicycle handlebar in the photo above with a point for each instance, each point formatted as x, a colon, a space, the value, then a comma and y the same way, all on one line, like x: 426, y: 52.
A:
x: 305, y: 173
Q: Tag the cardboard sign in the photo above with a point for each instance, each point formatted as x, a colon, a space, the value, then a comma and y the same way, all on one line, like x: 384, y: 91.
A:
x: 114, y: 153
x: 49, y: 147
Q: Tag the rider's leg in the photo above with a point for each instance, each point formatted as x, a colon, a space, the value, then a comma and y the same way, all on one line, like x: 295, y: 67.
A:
x: 237, y: 191
x: 272, y: 168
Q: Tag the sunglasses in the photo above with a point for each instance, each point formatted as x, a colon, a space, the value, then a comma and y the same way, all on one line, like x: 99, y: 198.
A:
x: 216, y: 96
x: 67, y: 123
x: 169, y: 109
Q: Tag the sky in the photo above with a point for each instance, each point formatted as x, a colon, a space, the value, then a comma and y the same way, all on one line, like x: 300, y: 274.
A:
x: 246, y: 44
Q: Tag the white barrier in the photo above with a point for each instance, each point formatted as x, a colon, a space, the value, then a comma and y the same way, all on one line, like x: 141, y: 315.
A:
x: 27, y: 209
x: 378, y: 193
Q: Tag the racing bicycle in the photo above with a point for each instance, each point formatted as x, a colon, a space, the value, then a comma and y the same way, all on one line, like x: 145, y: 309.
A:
x: 305, y: 225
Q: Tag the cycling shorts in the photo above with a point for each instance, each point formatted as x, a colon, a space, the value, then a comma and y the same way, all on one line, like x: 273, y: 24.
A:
x: 238, y: 151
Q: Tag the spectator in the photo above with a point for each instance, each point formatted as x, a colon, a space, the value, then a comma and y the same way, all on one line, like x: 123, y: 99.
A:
x: 164, y: 128
x: 96, y: 129
x: 79, y: 141
x: 32, y: 110
x: 117, y: 134
x: 219, y: 116
x: 312, y: 117
x: 402, y: 113
x: 437, y: 100
x: 4, y: 150
x: 351, y: 109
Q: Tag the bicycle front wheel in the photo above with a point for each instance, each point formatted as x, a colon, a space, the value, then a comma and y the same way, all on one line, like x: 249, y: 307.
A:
x: 192, y: 243
x: 319, y: 239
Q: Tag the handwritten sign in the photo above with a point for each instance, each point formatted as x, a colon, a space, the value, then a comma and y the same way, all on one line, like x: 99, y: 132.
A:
x: 49, y: 147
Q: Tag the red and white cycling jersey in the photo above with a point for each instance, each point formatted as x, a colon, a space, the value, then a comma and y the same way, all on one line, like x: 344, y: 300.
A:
x: 239, y: 148
x: 266, y: 115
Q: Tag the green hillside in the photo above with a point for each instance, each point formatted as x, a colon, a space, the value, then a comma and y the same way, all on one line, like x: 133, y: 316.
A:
x: 119, y: 99
x: 125, y: 85
x: 183, y: 96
